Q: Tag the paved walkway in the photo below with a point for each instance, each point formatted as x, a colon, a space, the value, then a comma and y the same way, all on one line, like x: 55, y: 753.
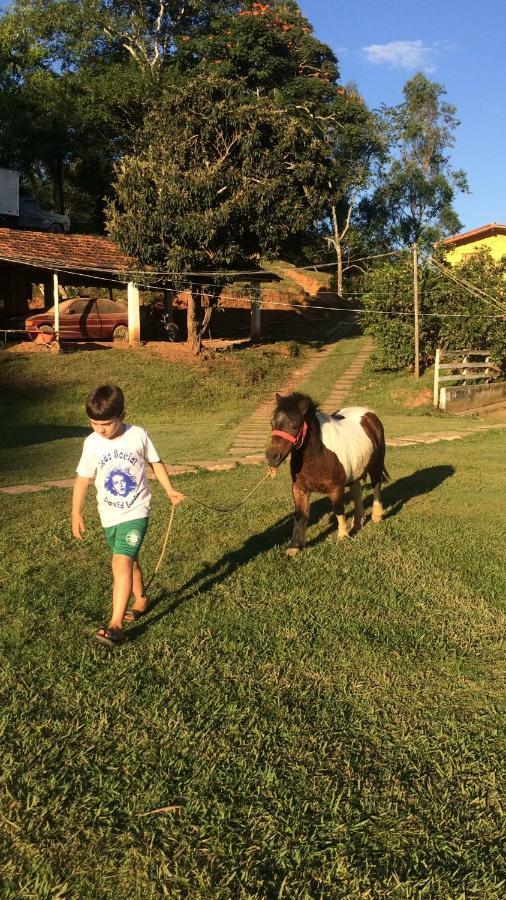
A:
x: 253, y: 433
x: 252, y: 436
x: 343, y: 384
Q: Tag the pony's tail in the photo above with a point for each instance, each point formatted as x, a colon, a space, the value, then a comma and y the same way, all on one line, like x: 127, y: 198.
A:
x: 373, y: 427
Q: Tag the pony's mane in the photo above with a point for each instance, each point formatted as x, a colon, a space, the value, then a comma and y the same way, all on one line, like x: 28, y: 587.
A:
x: 292, y: 402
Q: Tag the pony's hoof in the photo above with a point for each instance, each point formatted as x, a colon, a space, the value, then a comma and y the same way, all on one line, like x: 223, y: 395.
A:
x: 291, y: 551
x: 377, y: 513
x: 343, y: 535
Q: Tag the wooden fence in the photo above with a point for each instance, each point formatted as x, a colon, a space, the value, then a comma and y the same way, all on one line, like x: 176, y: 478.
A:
x: 463, y: 367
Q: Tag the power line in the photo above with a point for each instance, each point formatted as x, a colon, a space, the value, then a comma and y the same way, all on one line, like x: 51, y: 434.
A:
x: 373, y: 312
x: 475, y: 291
x: 50, y: 263
x: 359, y: 259
x: 307, y: 306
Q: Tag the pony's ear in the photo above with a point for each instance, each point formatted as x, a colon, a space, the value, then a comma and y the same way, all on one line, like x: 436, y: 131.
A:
x: 304, y: 405
x: 278, y: 399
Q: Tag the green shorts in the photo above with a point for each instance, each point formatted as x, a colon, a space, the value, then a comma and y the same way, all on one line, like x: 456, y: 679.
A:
x: 127, y: 537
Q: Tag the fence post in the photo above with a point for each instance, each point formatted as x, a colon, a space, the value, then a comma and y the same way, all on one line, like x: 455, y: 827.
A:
x: 415, y: 298
x: 436, y: 377
x: 465, y: 359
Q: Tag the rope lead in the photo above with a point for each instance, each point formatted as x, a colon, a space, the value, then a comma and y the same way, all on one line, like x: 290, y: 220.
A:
x: 204, y: 506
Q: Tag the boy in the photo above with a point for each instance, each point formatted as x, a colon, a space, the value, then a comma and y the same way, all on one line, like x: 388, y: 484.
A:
x: 116, y: 453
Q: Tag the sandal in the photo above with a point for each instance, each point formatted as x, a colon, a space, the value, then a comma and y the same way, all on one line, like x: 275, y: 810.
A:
x: 109, y: 636
x: 132, y: 615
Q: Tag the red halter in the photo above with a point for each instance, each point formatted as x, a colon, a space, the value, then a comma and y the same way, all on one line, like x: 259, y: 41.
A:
x: 296, y: 441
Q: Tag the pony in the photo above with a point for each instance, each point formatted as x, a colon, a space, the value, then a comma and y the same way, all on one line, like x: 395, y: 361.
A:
x: 327, y: 454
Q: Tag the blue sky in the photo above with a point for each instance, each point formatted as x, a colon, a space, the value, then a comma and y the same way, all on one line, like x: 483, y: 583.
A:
x: 459, y: 43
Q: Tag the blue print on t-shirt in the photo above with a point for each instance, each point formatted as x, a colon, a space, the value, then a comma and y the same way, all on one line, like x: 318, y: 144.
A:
x: 120, y: 483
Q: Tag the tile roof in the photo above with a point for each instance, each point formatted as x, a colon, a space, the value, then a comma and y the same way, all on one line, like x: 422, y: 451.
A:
x: 63, y: 251
x: 465, y: 236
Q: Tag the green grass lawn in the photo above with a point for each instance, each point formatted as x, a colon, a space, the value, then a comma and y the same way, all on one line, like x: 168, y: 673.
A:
x: 192, y: 411
x: 330, y: 726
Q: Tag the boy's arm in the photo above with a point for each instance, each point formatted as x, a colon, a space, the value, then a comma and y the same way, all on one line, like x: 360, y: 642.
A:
x: 78, y: 496
x: 162, y: 476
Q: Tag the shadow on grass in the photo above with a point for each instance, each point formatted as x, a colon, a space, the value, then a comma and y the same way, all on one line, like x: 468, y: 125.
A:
x: 394, y: 497
x: 421, y: 482
x: 317, y: 334
x: 218, y: 571
x: 85, y: 346
x: 25, y: 435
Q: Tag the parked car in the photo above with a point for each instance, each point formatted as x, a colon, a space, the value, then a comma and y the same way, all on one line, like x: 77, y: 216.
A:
x: 84, y: 318
x: 21, y: 211
x: 31, y: 216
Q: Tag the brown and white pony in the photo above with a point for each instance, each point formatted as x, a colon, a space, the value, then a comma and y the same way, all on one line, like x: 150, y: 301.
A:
x: 328, y: 453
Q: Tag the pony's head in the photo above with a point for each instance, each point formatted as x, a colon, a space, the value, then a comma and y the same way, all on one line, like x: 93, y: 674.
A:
x: 289, y: 426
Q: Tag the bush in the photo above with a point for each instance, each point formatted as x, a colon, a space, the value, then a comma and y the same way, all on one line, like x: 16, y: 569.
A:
x: 450, y: 316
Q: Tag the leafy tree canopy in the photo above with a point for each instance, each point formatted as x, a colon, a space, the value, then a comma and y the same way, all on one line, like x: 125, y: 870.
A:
x: 219, y: 175
x: 244, y: 137
x: 77, y: 78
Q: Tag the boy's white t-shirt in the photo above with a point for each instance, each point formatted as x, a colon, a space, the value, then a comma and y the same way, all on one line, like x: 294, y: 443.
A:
x: 119, y: 468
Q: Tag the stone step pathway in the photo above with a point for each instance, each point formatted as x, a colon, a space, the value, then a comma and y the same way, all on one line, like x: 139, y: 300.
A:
x: 342, y: 387
x: 434, y: 437
x: 253, y: 433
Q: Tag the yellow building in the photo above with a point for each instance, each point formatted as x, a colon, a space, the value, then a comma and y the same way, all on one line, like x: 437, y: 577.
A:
x: 462, y: 246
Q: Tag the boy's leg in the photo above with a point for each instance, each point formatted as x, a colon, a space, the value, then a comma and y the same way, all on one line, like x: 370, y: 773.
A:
x: 141, y: 601
x: 125, y: 541
x: 122, y: 571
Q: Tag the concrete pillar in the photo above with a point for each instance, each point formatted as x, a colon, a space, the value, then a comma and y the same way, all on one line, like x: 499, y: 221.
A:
x: 56, y: 303
x: 21, y: 294
x: 256, y: 314
x: 134, y: 315
x: 48, y: 292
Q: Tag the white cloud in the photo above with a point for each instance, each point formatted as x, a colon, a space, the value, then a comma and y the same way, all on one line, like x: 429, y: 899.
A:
x: 401, y: 55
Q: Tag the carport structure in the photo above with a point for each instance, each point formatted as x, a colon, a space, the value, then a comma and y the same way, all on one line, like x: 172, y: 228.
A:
x: 69, y: 260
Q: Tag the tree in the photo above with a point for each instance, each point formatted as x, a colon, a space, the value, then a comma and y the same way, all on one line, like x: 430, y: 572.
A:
x: 245, y: 165
x: 357, y: 147
x: 77, y: 78
x: 413, y: 199
x: 234, y: 176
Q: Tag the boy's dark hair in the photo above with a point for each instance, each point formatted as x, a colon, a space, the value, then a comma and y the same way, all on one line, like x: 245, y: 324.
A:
x: 105, y: 402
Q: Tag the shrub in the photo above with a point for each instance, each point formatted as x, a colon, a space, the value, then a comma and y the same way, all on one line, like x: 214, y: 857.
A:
x: 450, y: 316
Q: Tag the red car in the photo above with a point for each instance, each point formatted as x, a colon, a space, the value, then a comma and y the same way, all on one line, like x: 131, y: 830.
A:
x: 84, y: 318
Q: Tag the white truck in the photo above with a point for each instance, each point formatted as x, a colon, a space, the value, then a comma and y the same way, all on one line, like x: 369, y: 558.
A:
x: 18, y: 211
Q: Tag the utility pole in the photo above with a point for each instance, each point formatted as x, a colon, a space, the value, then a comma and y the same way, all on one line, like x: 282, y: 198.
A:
x: 416, y: 304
